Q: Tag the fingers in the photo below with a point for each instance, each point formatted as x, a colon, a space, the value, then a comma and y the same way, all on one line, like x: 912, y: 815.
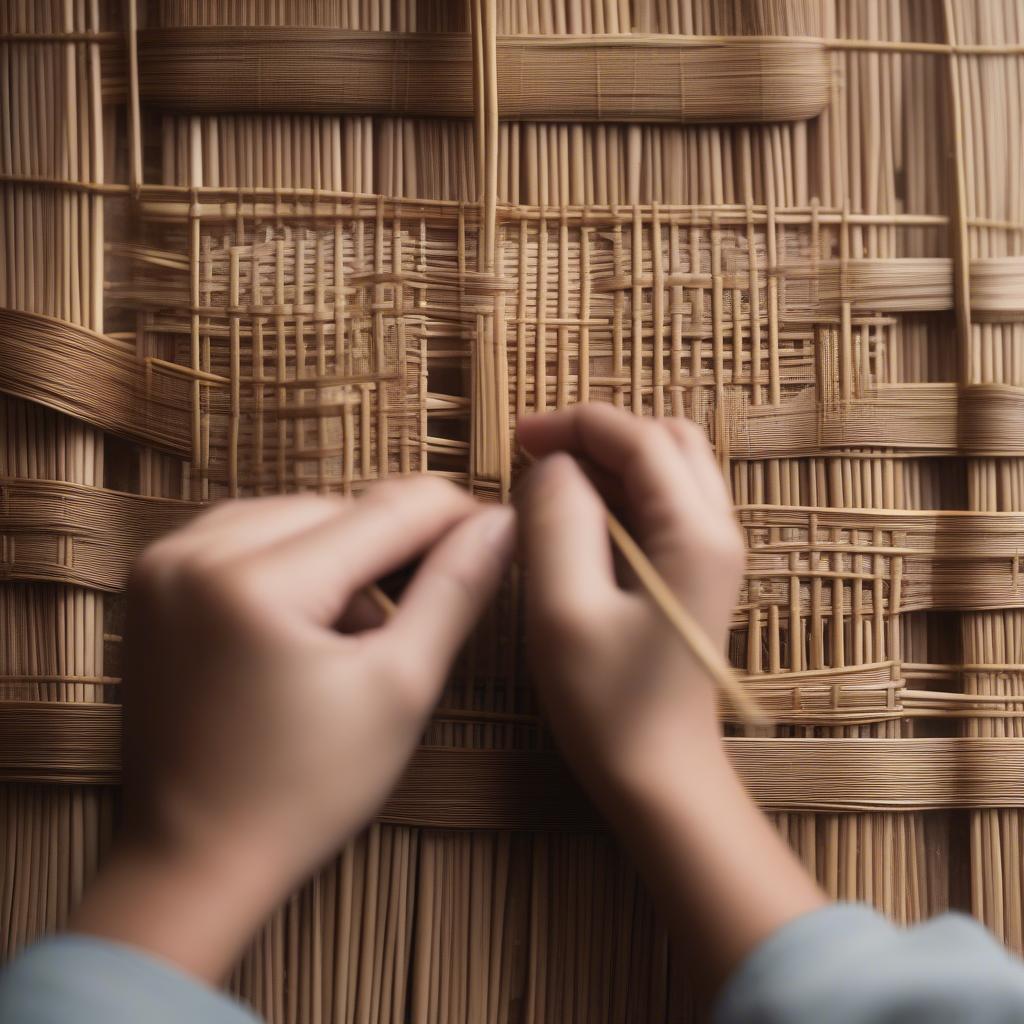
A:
x: 229, y: 529
x: 232, y: 531
x: 564, y: 538
x: 666, y: 502
x: 726, y: 537
x: 449, y: 592
x: 317, y: 571
x: 694, y: 445
x: 632, y: 449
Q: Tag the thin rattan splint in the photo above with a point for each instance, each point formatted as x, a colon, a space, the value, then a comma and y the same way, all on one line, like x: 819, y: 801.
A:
x: 254, y: 247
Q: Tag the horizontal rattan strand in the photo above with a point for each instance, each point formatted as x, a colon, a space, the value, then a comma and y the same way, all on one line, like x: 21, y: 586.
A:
x: 914, y: 284
x: 786, y: 705
x: 831, y: 43
x: 581, y: 78
x: 937, y: 420
x: 215, y: 202
x: 90, y: 536
x: 846, y: 694
x: 93, y: 377
x: 180, y: 202
x: 453, y: 788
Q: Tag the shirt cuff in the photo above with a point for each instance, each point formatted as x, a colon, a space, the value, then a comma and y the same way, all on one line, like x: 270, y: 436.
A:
x: 834, y: 931
x: 90, y: 981
x: 848, y: 963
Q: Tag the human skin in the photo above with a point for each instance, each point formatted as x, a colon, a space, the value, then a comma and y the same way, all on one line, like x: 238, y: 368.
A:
x: 259, y: 736
x: 629, y: 706
x: 269, y: 709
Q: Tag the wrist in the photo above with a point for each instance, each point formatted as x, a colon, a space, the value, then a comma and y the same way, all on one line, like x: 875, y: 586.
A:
x: 673, y: 774
x: 193, y: 908
x: 717, y: 866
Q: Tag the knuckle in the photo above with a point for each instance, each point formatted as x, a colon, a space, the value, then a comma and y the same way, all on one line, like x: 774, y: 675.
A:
x: 576, y: 619
x: 382, y: 490
x: 595, y: 412
x: 214, y: 584
x: 407, y: 685
x: 690, y: 435
x: 438, y: 489
x: 649, y: 475
x: 423, y: 486
x: 166, y: 577
x: 653, y: 455
x: 196, y: 575
x: 459, y: 581
x: 153, y: 566
x: 726, y: 546
x: 591, y: 412
x: 601, y: 419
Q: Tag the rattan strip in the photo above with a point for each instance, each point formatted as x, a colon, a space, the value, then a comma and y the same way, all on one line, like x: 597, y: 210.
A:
x: 864, y: 45
x: 90, y: 536
x: 458, y: 788
x: 539, y: 78
x: 849, y: 695
x: 308, y: 202
x: 94, y: 378
x: 102, y: 383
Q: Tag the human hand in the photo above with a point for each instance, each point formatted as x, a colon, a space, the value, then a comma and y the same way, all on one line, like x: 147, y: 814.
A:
x: 624, y: 695
x: 258, y: 736
x: 628, y: 703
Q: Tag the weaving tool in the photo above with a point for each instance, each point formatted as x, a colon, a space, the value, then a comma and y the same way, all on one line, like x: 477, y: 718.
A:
x: 696, y: 640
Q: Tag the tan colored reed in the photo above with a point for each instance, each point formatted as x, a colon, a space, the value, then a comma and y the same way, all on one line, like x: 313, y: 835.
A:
x: 559, y: 78
x: 199, y: 303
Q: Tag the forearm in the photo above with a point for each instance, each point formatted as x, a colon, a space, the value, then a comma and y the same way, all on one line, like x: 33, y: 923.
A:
x: 713, y: 861
x: 196, y: 912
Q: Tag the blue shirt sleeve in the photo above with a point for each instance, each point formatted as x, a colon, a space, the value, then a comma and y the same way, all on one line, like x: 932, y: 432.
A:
x: 844, y: 964
x: 847, y: 964
x: 75, y: 978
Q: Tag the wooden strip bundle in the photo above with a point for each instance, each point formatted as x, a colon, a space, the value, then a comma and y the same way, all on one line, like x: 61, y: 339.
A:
x: 92, y: 377
x: 513, y: 789
x: 877, y: 285
x: 539, y: 79
x: 997, y: 288
x: 92, y: 535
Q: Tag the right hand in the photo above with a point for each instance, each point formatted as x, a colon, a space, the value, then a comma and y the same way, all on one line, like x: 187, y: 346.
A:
x: 622, y: 691
x: 632, y: 711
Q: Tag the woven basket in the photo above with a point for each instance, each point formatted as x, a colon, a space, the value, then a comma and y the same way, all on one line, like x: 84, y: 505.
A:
x: 254, y: 247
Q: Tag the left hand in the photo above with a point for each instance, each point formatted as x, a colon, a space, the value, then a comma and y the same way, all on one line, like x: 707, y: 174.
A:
x: 259, y: 737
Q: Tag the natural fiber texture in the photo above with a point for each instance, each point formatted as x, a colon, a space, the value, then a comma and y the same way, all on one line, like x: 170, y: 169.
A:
x: 94, y: 378
x: 452, y: 787
x: 256, y: 247
x: 608, y: 78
